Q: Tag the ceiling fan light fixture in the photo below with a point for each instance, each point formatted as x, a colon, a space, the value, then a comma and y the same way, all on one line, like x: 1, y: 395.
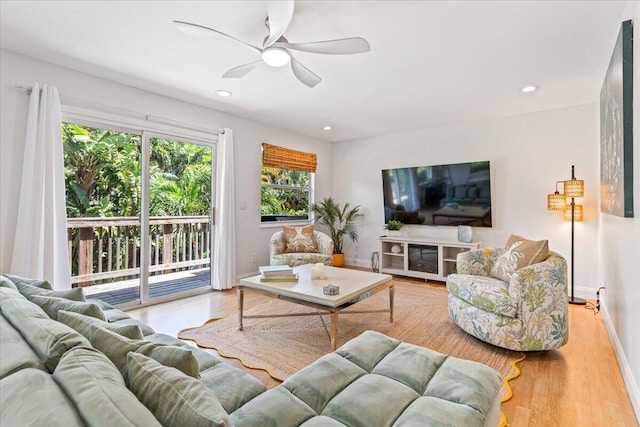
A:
x: 276, y: 56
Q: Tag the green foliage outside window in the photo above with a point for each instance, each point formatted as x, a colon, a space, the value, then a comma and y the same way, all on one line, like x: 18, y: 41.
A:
x: 284, y: 192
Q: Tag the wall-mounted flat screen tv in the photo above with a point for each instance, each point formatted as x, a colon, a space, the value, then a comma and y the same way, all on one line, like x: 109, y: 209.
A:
x: 455, y: 194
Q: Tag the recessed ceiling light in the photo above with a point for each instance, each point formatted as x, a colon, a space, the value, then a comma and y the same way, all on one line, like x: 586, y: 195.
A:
x: 223, y: 92
x: 327, y: 128
x: 529, y: 88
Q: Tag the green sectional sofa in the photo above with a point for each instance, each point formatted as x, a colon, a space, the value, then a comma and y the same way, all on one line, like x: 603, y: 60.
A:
x: 69, y: 362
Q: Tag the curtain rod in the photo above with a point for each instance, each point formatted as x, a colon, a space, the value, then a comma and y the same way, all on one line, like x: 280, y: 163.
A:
x: 136, y: 114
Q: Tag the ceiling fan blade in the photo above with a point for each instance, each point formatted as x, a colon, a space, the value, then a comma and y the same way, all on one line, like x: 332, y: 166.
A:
x: 279, y: 14
x: 241, y: 70
x: 197, y: 29
x: 305, y: 75
x: 330, y: 47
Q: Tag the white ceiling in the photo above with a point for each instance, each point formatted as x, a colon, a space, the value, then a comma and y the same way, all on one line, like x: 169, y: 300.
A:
x: 431, y: 62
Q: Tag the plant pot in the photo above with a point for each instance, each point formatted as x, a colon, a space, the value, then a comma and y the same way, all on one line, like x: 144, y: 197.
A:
x: 394, y: 233
x: 338, y: 260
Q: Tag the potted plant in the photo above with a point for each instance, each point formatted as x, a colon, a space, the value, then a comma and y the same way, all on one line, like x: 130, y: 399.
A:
x: 393, y: 227
x: 340, y: 222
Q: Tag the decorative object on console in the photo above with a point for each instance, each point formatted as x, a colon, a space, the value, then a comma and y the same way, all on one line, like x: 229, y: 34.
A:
x: 393, y: 227
x: 572, y: 188
x: 396, y: 249
x: 616, y: 129
x: 341, y: 222
x: 465, y: 233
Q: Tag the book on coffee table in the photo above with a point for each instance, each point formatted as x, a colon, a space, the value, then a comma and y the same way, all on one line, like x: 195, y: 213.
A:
x: 276, y: 270
x: 280, y: 278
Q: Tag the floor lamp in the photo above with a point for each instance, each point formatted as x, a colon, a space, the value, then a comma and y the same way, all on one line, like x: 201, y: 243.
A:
x: 572, y: 188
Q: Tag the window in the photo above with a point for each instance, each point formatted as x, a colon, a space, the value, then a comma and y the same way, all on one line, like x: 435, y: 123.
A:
x: 286, y: 184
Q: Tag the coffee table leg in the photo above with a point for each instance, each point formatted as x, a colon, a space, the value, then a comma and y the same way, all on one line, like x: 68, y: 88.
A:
x: 334, y: 330
x: 240, y: 306
x: 391, y: 292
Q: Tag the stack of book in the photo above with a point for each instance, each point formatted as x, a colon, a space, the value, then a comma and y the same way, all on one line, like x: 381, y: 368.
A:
x: 278, y: 273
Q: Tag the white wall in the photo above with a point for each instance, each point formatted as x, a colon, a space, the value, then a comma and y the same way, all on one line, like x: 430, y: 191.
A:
x: 248, y: 136
x: 619, y: 252
x: 528, y: 154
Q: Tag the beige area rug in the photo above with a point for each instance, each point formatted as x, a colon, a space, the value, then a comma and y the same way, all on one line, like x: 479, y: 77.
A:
x: 283, y: 346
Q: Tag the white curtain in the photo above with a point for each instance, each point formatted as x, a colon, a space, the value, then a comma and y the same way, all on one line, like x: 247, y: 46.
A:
x: 40, y: 246
x: 224, y: 250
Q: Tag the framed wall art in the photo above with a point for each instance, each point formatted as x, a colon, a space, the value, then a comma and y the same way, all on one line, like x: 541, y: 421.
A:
x: 616, y: 128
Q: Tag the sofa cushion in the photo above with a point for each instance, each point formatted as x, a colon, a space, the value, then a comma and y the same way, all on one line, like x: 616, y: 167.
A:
x: 15, y: 353
x: 48, y: 338
x: 77, y: 322
x: 32, y: 397
x: 487, y: 293
x: 232, y: 386
x: 52, y: 305
x: 116, y: 347
x: 44, y: 284
x: 98, y: 391
x: 518, y: 254
x: 174, y: 398
x: 300, y: 239
x: 295, y: 259
x: 74, y: 294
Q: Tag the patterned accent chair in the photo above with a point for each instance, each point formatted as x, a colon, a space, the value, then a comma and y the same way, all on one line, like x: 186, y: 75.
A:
x: 279, y: 257
x: 529, y: 313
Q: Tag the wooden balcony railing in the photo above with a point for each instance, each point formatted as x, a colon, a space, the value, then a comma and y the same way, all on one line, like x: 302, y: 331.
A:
x: 105, y: 250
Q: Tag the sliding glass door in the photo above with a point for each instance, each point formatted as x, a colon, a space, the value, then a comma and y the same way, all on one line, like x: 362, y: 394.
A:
x: 139, y: 208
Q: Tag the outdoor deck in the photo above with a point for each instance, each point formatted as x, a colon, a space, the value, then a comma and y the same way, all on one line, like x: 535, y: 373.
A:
x: 165, y: 284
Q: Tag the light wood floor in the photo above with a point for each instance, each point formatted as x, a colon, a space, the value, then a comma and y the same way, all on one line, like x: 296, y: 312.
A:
x: 577, y: 385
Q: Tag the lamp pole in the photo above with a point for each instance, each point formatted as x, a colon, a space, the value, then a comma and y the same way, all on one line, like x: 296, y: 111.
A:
x: 573, y: 299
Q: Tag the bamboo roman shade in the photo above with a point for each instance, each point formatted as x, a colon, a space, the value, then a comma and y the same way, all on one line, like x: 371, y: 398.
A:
x: 285, y: 158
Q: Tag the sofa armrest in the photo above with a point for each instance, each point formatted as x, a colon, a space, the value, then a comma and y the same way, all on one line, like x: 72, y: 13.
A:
x: 324, y: 242
x: 277, y: 244
x: 477, y: 262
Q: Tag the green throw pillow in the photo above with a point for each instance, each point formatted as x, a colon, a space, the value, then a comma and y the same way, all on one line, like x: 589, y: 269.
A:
x: 51, y: 305
x: 174, y: 398
x: 74, y: 294
x: 79, y: 321
x: 31, y: 282
x: 98, y: 390
x: 116, y: 347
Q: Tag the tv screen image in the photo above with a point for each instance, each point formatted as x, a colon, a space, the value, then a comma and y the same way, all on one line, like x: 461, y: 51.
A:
x: 453, y: 194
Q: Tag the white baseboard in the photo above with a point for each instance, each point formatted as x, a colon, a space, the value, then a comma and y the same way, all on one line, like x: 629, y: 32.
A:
x: 629, y: 381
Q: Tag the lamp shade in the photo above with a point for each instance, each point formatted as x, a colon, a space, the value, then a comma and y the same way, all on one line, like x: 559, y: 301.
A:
x: 578, y: 213
x: 574, y: 188
x: 555, y: 201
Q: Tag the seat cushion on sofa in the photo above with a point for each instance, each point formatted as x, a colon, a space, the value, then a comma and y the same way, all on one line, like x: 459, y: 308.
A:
x: 174, y: 398
x: 15, y: 353
x: 377, y: 380
x: 98, y: 390
x: 74, y: 294
x: 32, y: 397
x: 205, y: 359
x: 52, y: 305
x: 49, y: 339
x: 232, y: 386
x: 488, y: 293
x: 118, y: 317
x: 116, y: 347
x: 44, y: 284
x: 76, y: 320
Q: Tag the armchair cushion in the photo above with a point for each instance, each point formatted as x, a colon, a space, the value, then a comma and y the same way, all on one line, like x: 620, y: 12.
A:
x: 299, y: 239
x: 519, y: 252
x: 488, y: 293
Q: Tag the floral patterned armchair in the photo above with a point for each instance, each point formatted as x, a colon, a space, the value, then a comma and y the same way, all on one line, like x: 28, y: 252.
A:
x: 279, y: 257
x: 530, y: 313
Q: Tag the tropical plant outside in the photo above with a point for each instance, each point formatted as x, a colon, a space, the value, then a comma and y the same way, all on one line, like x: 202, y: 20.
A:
x: 284, y: 192
x: 340, y: 221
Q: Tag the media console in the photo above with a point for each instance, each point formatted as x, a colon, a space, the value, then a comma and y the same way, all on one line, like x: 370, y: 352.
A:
x: 421, y: 257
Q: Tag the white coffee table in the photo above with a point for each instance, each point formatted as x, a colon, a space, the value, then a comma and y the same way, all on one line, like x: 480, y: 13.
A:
x: 355, y: 285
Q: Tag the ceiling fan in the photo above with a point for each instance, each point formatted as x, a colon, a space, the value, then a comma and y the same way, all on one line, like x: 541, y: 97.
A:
x: 275, y: 50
